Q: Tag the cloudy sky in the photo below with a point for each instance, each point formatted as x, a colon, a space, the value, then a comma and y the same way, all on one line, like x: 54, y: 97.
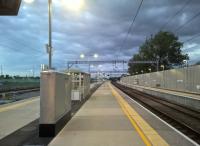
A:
x: 99, y: 27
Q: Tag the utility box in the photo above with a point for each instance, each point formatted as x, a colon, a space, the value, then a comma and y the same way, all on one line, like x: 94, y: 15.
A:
x: 55, y: 102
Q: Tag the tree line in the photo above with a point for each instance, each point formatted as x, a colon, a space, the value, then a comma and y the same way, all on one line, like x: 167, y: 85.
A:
x: 164, y: 48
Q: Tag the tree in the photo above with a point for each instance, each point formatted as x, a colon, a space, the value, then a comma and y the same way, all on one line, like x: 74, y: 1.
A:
x: 164, y: 47
x: 198, y: 63
x: 8, y: 77
x: 1, y: 76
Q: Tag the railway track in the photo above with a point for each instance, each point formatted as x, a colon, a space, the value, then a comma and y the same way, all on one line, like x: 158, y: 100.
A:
x: 10, y: 96
x: 184, y: 119
x: 20, y: 90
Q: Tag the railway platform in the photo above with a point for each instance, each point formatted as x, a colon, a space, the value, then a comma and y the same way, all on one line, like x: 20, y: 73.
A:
x: 15, y: 115
x: 173, y: 92
x: 111, y: 118
x: 190, y: 100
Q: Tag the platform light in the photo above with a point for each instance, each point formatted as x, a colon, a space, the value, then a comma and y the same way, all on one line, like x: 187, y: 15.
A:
x: 82, y: 56
x: 185, y: 62
x: 162, y: 66
x: 29, y: 1
x: 96, y: 55
x: 150, y: 69
x: 73, y: 5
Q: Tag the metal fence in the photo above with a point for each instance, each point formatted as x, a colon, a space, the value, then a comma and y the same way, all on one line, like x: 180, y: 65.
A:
x: 184, y: 79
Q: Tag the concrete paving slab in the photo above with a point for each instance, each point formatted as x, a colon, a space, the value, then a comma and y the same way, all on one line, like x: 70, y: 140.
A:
x: 16, y: 115
x: 100, y: 122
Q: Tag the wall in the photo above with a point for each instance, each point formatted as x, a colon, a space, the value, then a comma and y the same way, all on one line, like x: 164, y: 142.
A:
x: 184, y: 79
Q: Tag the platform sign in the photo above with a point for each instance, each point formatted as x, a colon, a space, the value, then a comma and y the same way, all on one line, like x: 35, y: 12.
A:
x: 9, y: 7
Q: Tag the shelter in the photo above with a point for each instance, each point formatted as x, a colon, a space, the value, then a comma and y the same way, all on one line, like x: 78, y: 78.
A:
x: 80, y: 84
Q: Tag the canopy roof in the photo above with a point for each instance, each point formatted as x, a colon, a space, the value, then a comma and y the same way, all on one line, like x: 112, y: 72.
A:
x: 9, y: 7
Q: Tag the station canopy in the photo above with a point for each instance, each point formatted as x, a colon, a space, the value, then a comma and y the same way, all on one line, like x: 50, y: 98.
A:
x: 9, y: 7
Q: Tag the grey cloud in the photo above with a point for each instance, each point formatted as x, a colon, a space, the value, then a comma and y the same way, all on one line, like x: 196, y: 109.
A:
x: 100, y: 28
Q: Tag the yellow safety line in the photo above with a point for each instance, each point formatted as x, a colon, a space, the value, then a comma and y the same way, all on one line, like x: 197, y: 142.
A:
x: 149, y: 136
x: 10, y: 107
x: 140, y: 132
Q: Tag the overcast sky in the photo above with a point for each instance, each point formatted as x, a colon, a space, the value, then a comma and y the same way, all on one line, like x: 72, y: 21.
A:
x: 100, y: 27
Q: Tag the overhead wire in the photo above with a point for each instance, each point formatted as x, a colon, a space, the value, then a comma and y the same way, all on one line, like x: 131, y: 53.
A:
x: 7, y: 46
x: 188, y: 40
x: 178, y: 12
x: 186, y: 49
x: 183, y: 25
x: 187, y: 22
x: 130, y: 28
x: 13, y: 48
x: 22, y: 44
x: 192, y: 38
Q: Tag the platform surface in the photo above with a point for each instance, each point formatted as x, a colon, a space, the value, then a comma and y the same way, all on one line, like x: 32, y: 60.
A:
x: 109, y: 118
x: 100, y: 122
x: 172, y: 136
x: 15, y: 115
x: 178, y: 93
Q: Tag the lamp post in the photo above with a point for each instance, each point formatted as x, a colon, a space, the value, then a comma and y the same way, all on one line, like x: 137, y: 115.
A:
x: 157, y: 63
x: 163, y: 67
x: 49, y: 45
x: 185, y: 63
x: 150, y: 70
x: 1, y: 70
x: 50, y: 33
x: 72, y: 5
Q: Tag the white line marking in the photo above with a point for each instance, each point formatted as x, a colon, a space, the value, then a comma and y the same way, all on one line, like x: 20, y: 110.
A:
x: 179, y: 132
